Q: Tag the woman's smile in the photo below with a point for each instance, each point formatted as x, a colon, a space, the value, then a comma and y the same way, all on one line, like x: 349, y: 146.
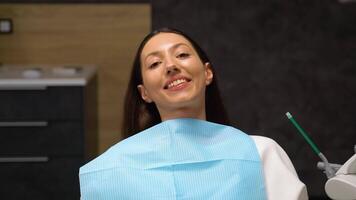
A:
x: 177, y: 83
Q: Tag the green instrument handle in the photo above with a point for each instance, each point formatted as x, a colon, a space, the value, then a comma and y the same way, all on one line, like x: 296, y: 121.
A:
x: 304, y: 134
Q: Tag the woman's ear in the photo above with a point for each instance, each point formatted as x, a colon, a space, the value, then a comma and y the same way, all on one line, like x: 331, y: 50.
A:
x: 208, y: 73
x: 141, y: 88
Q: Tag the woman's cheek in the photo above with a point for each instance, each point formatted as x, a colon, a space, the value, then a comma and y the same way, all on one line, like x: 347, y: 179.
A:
x: 156, y: 81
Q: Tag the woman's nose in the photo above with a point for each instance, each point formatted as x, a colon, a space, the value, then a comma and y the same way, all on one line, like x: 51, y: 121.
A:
x: 171, y: 68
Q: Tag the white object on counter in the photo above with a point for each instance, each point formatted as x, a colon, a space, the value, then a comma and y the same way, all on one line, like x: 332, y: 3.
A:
x: 32, y: 73
x: 66, y: 71
x: 18, y: 76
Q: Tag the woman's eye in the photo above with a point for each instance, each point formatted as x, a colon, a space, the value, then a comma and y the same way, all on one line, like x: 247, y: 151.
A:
x: 183, y: 55
x: 153, y: 65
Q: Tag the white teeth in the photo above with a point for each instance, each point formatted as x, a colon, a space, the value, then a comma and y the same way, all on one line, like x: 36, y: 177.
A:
x: 176, y: 82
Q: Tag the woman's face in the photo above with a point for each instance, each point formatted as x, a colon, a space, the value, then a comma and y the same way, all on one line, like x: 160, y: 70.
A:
x: 173, y: 74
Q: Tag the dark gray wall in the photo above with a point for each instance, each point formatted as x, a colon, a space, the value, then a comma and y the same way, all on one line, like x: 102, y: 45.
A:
x: 277, y: 56
x: 75, y: 1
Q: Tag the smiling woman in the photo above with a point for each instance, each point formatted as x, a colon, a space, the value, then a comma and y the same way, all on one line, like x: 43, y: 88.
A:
x: 180, y: 51
x: 174, y: 77
x: 177, y: 145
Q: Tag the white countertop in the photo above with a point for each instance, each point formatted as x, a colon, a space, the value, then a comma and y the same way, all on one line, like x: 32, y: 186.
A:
x: 22, y: 76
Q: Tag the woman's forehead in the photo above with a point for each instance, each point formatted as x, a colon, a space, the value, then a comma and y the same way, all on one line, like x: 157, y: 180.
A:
x: 163, y: 41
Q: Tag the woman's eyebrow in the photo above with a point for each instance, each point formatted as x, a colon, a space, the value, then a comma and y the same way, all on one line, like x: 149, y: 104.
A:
x: 170, y: 48
x: 178, y: 44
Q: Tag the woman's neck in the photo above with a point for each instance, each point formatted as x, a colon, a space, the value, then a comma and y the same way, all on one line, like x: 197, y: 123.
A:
x: 184, y: 112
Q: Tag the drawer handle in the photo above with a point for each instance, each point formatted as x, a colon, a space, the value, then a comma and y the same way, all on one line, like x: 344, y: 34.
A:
x: 23, y: 87
x: 23, y: 159
x: 22, y: 124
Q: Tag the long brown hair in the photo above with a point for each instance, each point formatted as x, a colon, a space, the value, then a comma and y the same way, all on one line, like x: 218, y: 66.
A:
x: 139, y: 115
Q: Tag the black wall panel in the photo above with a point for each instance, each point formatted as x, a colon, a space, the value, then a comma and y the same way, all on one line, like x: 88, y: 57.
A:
x: 277, y: 56
x: 75, y: 1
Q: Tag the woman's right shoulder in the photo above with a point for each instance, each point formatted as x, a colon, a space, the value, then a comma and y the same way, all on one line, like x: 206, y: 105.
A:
x: 119, y: 155
x: 103, y: 161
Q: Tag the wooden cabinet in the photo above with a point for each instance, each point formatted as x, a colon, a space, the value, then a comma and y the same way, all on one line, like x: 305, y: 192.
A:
x: 47, y: 131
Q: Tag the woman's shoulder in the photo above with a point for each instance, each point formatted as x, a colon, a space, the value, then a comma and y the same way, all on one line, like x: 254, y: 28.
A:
x: 263, y: 140
x: 276, y: 163
x: 103, y: 161
x: 265, y: 143
x: 272, y: 154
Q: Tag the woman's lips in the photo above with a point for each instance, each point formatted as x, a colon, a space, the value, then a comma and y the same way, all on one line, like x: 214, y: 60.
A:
x: 177, y: 84
x: 180, y: 86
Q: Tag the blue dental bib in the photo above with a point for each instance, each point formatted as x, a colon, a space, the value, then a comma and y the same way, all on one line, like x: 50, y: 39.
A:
x: 175, y: 160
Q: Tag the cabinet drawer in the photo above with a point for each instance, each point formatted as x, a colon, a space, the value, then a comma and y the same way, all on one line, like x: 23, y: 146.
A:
x: 54, y: 138
x: 41, y: 103
x: 55, y: 179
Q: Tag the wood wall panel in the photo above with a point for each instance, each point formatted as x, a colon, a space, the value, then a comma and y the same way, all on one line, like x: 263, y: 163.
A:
x: 106, y: 35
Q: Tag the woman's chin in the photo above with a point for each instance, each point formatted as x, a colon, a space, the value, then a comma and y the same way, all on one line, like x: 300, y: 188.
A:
x: 185, y: 101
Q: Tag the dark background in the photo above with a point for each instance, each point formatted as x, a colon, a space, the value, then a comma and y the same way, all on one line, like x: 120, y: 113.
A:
x: 277, y: 56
